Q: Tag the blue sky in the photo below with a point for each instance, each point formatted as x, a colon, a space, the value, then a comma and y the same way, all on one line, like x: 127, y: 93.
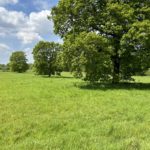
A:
x: 22, y: 24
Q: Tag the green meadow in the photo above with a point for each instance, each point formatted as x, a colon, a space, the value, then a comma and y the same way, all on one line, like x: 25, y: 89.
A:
x: 64, y: 113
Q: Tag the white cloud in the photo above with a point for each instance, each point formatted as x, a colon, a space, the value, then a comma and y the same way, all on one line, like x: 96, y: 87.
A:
x: 28, y: 37
x: 4, y: 2
x: 11, y: 21
x: 26, y: 28
x: 39, y: 22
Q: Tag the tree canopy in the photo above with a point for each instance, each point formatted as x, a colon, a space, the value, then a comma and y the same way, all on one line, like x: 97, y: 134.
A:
x: 45, y: 58
x: 18, y: 62
x: 104, y: 39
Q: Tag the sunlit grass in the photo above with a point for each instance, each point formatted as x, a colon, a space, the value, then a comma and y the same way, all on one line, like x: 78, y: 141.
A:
x: 63, y: 113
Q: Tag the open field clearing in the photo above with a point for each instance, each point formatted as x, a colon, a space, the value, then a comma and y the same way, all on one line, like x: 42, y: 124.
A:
x: 63, y: 113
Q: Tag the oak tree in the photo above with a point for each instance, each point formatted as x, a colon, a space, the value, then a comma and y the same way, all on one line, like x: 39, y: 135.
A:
x: 111, y: 36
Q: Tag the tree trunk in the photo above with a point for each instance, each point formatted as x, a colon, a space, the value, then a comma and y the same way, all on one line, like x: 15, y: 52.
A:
x: 49, y: 73
x: 116, y: 69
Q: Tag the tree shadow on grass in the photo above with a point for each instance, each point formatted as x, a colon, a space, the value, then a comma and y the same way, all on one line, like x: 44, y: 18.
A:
x: 109, y: 86
x: 62, y: 77
x: 56, y: 77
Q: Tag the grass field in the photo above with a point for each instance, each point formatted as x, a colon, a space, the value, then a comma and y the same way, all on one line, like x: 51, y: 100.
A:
x: 40, y: 113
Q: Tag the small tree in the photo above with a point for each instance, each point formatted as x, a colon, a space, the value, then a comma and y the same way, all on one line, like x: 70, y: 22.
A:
x: 18, y: 62
x: 45, y: 58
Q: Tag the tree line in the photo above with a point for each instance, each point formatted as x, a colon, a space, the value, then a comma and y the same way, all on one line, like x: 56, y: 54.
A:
x: 104, y: 40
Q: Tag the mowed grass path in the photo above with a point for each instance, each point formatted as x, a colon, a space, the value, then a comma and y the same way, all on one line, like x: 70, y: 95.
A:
x: 39, y: 113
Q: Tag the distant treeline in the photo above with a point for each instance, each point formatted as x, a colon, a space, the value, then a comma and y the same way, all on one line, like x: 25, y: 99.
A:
x: 4, y: 67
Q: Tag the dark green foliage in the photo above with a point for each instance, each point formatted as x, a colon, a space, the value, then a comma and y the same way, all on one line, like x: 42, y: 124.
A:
x: 135, y: 49
x: 125, y: 25
x: 89, y: 56
x: 4, y: 67
x: 45, y: 58
x: 30, y: 66
x: 18, y: 62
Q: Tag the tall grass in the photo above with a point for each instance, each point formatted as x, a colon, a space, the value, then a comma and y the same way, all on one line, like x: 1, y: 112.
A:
x: 63, y: 113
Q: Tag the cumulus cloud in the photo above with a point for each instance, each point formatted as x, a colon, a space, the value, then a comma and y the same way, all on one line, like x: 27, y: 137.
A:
x: 28, y: 37
x: 11, y: 18
x: 4, y: 2
x: 11, y: 21
x: 25, y: 28
x: 39, y: 22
